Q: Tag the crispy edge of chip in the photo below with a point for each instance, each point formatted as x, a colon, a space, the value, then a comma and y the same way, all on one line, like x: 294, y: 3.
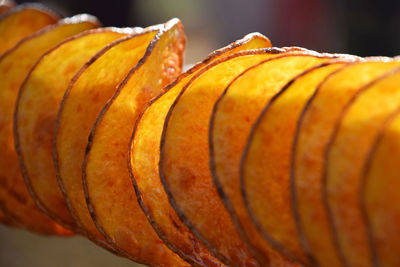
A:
x: 373, y: 154
x: 243, y: 158
x: 137, y: 31
x: 18, y: 8
x: 38, y: 200
x: 57, y: 229
x: 170, y: 195
x: 294, y: 176
x: 163, y: 29
x: 28, y: 7
x: 210, y: 58
x: 327, y: 163
x: 218, y: 184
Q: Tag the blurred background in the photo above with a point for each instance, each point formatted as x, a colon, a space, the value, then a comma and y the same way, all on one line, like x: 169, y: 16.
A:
x: 360, y: 27
x: 364, y: 28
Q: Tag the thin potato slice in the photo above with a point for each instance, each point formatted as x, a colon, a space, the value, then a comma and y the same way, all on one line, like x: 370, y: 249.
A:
x: 35, y: 116
x: 233, y: 116
x: 14, y: 66
x: 22, y: 21
x: 87, y: 93
x: 144, y: 156
x: 5, y: 5
x: 108, y: 188
x: 380, y: 195
x: 346, y: 152
x: 314, y: 127
x: 184, y: 158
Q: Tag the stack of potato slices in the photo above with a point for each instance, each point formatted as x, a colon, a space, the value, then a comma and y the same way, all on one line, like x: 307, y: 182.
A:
x: 255, y: 156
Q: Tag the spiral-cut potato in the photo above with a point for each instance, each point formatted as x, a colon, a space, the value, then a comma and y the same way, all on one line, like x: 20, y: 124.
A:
x: 256, y: 156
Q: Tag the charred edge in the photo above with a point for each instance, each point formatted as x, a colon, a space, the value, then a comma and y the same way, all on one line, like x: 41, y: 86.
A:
x: 148, y: 52
x: 17, y: 144
x: 92, y: 135
x: 80, y: 19
x: 195, y: 68
x: 326, y: 164
x: 218, y: 185
x: 364, y: 177
x: 306, y: 107
x: 61, y: 108
x: 275, y: 244
x: 162, y: 143
x: 35, y: 6
x: 161, y: 234
x: 285, y: 53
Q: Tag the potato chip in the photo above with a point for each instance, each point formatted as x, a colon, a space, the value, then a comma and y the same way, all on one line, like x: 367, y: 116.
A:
x: 231, y: 121
x: 14, y: 66
x: 379, y: 193
x: 108, y: 188
x: 35, y: 116
x: 313, y: 130
x: 22, y: 21
x: 144, y: 158
x: 87, y: 93
x: 346, y: 151
x: 5, y: 5
x: 184, y: 157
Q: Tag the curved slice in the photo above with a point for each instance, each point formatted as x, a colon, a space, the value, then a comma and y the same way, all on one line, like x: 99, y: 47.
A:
x: 108, y: 188
x: 379, y: 194
x: 86, y: 94
x: 312, y: 133
x: 14, y: 66
x: 22, y: 21
x: 233, y: 116
x: 184, y: 162
x: 5, y: 5
x: 144, y: 155
x: 35, y: 116
x: 345, y: 154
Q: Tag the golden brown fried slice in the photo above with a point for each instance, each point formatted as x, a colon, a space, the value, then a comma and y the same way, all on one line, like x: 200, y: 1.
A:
x: 314, y: 127
x: 5, y: 5
x: 379, y: 194
x: 345, y: 154
x: 14, y: 66
x: 83, y: 100
x: 231, y: 121
x: 36, y: 111
x: 144, y: 156
x: 108, y: 188
x: 184, y: 157
x: 22, y: 21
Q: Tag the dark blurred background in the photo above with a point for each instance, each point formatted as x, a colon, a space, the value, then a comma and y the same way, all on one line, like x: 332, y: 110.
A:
x: 361, y: 27
x: 364, y: 28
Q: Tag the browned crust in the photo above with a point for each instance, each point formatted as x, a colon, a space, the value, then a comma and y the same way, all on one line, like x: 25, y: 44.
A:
x: 216, y: 181
x: 92, y: 134
x: 193, y: 69
x: 17, y: 144
x: 275, y: 244
x: 71, y: 20
x: 171, y: 198
x: 326, y: 162
x: 21, y: 7
x: 74, y: 19
x: 292, y: 174
x: 366, y: 169
x: 136, y: 32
